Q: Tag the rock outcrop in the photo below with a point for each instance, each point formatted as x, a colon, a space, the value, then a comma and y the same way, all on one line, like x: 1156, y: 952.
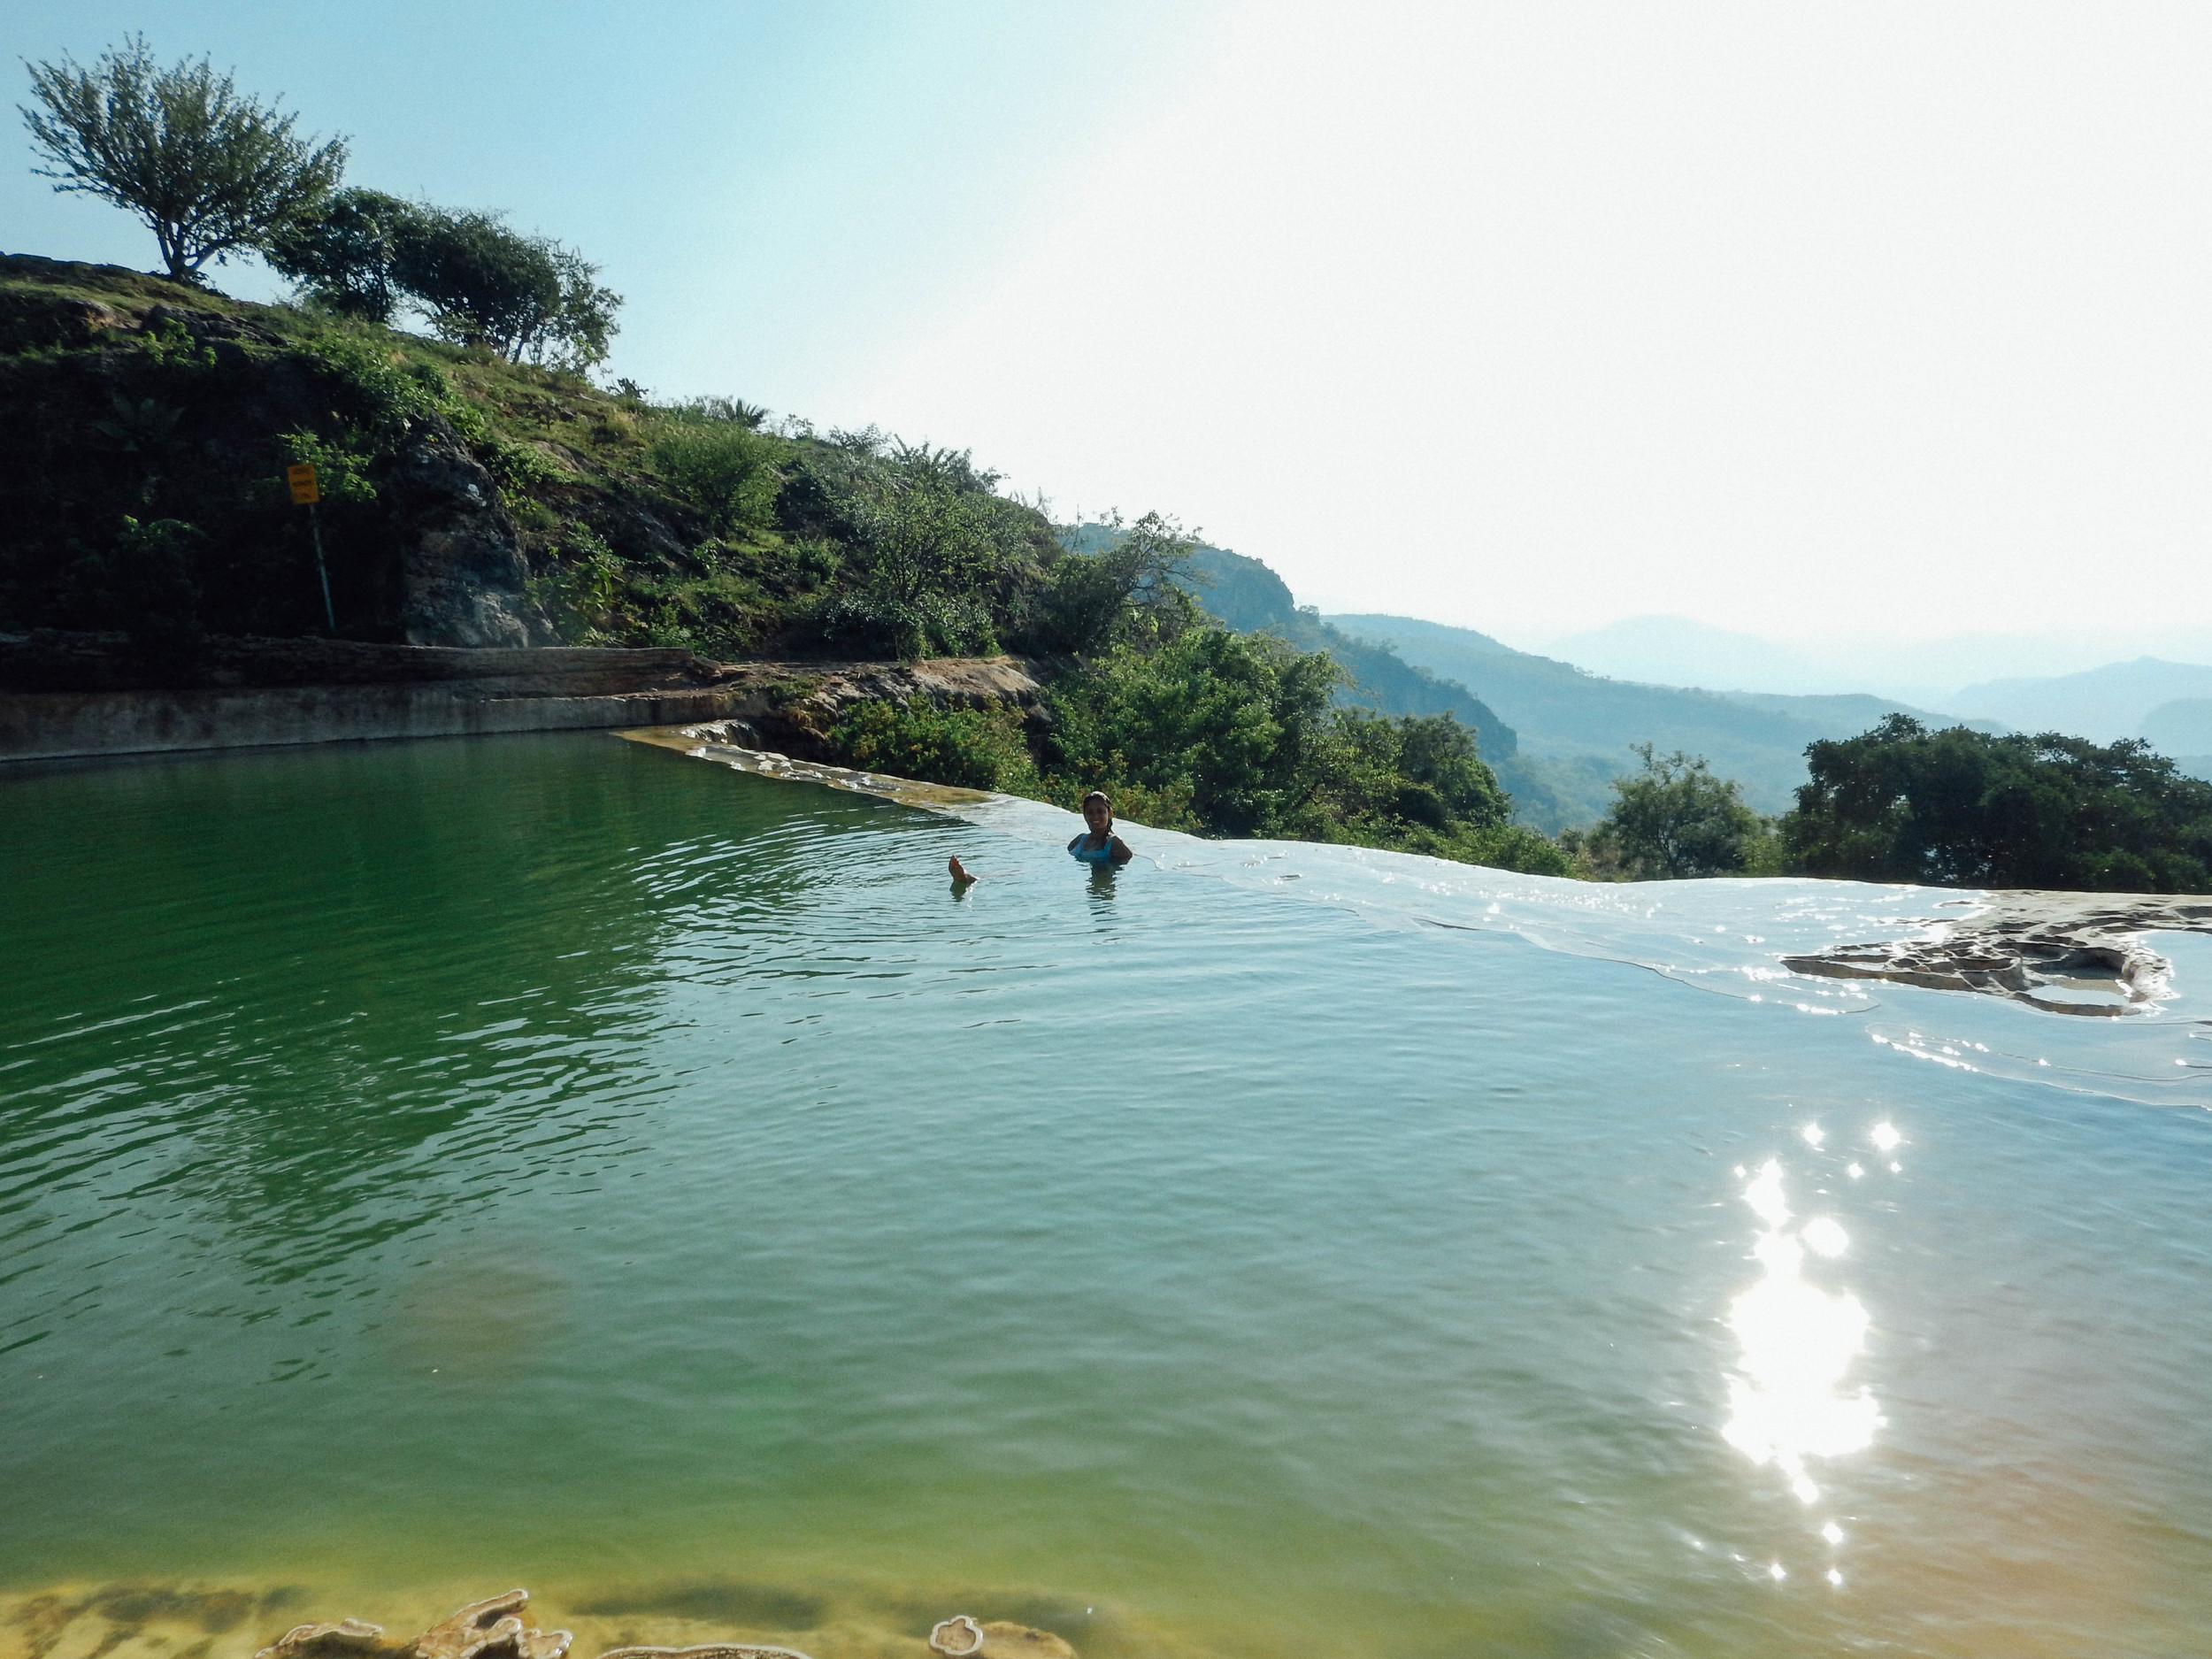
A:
x: 2066, y: 953
x: 461, y: 564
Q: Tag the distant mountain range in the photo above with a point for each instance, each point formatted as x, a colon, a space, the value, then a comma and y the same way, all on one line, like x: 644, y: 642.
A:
x: 1558, y: 734
x: 1568, y: 715
x: 2102, y: 704
x: 1929, y: 672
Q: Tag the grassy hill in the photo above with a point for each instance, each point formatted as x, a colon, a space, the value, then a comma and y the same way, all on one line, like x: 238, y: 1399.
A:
x: 466, y: 500
x: 472, y: 501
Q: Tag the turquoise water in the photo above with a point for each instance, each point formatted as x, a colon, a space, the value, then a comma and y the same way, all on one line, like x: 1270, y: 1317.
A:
x: 561, y: 1162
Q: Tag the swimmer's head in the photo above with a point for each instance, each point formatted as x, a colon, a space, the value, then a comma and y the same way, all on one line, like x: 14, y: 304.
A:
x: 1098, y: 811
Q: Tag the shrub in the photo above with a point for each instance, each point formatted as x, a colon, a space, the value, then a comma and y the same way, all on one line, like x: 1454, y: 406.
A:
x: 722, y: 466
x: 876, y: 625
x: 1133, y: 593
x: 973, y: 748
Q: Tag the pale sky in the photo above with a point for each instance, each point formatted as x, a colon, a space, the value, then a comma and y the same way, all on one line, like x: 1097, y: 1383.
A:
x: 1889, y: 320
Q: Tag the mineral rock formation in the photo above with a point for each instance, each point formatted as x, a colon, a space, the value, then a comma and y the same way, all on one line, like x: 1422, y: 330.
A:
x: 491, y: 1627
x: 305, y: 1639
x: 961, y: 1637
x: 462, y: 564
x: 2033, y: 948
x: 712, y: 1650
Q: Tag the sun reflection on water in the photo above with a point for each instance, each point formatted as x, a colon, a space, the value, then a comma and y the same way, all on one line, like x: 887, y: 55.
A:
x: 1787, y: 1397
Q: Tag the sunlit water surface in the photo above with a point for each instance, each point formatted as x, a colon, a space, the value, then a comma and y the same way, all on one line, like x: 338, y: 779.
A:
x: 560, y: 1162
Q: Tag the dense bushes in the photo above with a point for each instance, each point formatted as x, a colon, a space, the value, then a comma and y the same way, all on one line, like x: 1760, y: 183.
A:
x: 1961, y: 808
x: 973, y: 748
x: 1224, y: 735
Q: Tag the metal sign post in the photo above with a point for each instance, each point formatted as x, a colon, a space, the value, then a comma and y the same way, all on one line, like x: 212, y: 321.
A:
x: 307, y: 493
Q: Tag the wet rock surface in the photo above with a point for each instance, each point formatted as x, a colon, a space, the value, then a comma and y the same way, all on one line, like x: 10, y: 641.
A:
x: 2065, y: 953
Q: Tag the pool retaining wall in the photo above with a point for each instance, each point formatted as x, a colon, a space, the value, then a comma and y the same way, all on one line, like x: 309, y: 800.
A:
x: 66, y: 703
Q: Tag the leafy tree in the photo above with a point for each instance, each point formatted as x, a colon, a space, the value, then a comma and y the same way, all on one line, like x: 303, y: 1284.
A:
x: 346, y: 256
x: 1962, y: 807
x: 478, y: 283
x: 1673, y: 820
x: 208, y: 170
x: 481, y: 284
x: 1134, y: 591
x: 1224, y: 735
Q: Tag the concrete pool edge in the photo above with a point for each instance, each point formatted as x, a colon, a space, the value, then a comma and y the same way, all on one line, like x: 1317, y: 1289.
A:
x: 443, y: 692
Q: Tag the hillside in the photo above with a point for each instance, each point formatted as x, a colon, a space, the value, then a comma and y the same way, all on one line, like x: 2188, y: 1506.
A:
x: 1571, y: 717
x: 466, y: 501
x: 1247, y: 596
x: 469, y: 500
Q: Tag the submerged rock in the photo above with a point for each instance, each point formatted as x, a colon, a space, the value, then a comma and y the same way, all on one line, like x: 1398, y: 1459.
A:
x: 2065, y: 953
x: 707, y: 1650
x: 492, y: 1626
x: 346, y: 1635
x: 961, y: 1637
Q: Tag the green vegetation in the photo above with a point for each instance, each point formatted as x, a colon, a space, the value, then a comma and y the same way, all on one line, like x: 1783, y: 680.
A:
x: 1222, y: 734
x: 1673, y: 820
x: 209, y: 171
x: 368, y: 255
x: 1961, y: 808
x: 154, y: 422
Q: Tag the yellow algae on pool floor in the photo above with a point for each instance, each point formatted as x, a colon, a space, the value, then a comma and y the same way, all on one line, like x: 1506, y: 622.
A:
x: 190, y: 1619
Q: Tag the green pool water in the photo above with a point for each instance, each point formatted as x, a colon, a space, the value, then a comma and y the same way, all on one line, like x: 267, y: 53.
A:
x: 561, y: 1162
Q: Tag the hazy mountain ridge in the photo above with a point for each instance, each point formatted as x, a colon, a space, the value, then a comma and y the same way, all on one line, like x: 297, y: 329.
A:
x: 1568, y: 715
x: 2103, y: 704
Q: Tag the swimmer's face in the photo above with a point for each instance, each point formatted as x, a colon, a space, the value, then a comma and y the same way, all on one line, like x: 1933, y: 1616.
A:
x: 1098, y: 815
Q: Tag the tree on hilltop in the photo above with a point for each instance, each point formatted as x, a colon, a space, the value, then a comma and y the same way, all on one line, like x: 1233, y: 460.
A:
x: 343, y: 256
x: 210, y: 171
x: 476, y: 281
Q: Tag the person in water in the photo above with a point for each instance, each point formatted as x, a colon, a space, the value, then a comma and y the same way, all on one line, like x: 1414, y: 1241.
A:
x: 1100, y: 845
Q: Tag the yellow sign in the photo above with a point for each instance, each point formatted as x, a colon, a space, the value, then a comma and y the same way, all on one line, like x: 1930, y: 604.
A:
x: 305, y: 492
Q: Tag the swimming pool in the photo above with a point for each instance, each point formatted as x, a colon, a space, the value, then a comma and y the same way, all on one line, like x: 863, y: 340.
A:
x: 553, y: 1161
